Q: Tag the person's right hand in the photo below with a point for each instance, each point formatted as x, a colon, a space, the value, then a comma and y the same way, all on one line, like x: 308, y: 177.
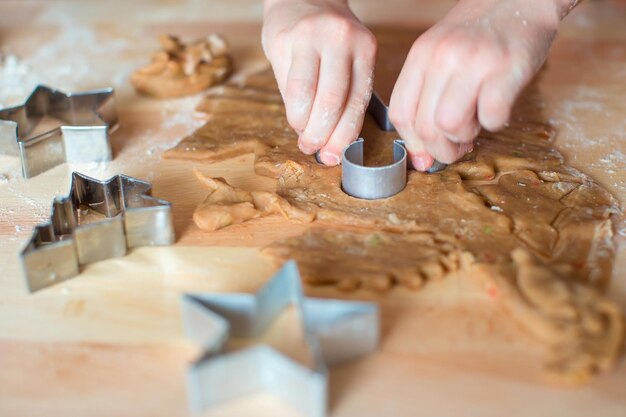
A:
x: 323, y: 59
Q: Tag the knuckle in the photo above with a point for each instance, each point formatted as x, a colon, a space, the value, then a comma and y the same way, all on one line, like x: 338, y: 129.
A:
x: 342, y: 29
x: 370, y: 42
x: 451, y: 51
x: 279, y: 41
x: 422, y: 48
x: 493, y: 54
x: 425, y: 40
x: 330, y: 100
x: 306, y: 25
x: 299, y: 87
x: 425, y: 132
x: 281, y: 35
x: 446, y: 122
x: 419, y: 48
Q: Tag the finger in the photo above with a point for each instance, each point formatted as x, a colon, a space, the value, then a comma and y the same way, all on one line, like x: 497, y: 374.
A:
x: 468, y: 131
x: 435, y: 142
x: 404, y: 103
x: 455, y: 114
x: 447, y: 151
x: 280, y: 59
x: 351, y: 121
x: 330, y: 98
x: 300, y: 86
x: 497, y: 96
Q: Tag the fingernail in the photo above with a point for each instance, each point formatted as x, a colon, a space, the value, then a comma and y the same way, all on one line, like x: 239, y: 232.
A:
x: 330, y: 159
x: 421, y: 161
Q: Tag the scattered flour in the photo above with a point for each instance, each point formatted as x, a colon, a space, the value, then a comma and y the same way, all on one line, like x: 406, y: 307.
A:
x: 590, y: 102
x: 16, y: 81
x: 70, y: 61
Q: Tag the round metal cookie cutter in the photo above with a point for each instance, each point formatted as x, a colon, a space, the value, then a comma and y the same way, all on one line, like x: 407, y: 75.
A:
x: 372, y: 183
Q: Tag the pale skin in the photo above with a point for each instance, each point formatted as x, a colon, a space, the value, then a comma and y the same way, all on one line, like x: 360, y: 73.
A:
x: 462, y: 74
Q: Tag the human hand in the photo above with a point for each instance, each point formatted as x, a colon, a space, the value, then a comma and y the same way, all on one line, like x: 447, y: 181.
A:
x: 323, y: 59
x: 466, y: 72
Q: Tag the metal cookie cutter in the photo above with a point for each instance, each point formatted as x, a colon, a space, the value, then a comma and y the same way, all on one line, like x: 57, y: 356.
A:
x: 132, y: 218
x: 372, y: 183
x: 84, y: 137
x: 376, y: 182
x: 380, y: 113
x: 334, y: 331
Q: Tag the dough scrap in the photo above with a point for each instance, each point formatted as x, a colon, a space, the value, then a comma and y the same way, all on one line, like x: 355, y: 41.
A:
x: 582, y: 327
x: 226, y: 205
x: 537, y: 232
x: 181, y: 70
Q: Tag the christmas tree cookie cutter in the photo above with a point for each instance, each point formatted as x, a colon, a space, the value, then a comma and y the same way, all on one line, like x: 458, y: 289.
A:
x: 129, y: 217
x: 334, y: 331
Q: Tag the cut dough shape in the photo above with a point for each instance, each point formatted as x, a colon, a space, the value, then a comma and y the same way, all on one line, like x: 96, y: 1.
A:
x: 181, y: 70
x: 226, y: 205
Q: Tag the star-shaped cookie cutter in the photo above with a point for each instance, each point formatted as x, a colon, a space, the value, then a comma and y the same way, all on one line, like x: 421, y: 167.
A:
x: 84, y: 136
x: 334, y: 331
x: 128, y: 217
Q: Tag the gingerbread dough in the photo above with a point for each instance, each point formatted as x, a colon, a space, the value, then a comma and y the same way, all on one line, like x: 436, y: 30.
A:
x: 374, y: 260
x: 181, y: 70
x: 226, y: 205
x: 536, y: 232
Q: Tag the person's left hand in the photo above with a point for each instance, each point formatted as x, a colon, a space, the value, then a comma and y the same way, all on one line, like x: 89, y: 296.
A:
x: 466, y: 72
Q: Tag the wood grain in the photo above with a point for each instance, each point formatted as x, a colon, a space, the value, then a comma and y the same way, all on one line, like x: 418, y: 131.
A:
x: 109, y: 343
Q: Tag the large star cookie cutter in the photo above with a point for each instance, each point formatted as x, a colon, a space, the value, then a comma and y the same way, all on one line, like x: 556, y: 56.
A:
x: 373, y: 183
x: 334, y: 331
x: 87, y: 118
x: 126, y: 216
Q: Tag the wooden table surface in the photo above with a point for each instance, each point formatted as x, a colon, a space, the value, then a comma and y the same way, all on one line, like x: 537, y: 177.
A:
x: 110, y: 343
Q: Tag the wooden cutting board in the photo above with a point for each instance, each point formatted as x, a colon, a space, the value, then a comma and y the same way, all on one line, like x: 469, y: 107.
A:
x: 110, y: 343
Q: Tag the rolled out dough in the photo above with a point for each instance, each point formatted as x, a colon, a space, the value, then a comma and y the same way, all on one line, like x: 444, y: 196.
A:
x: 511, y: 214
